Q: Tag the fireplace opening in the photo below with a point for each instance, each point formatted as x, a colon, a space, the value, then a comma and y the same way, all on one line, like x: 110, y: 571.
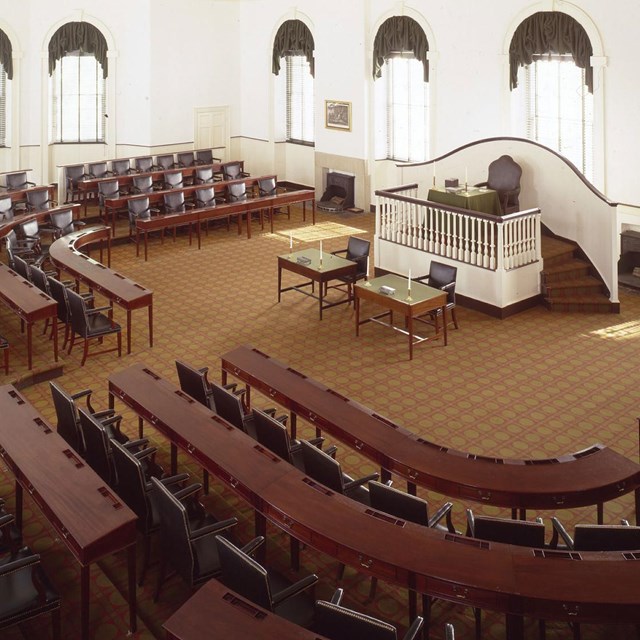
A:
x: 339, y: 192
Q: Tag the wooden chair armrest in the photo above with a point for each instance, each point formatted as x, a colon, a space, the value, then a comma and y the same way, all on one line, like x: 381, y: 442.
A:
x: 354, y: 484
x: 210, y: 529
x: 415, y: 629
x: 99, y: 309
x: 444, y: 510
x: 295, y: 589
x: 253, y: 545
x: 559, y: 530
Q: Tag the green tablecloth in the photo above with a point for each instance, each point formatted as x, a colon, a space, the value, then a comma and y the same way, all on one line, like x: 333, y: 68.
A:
x: 485, y: 201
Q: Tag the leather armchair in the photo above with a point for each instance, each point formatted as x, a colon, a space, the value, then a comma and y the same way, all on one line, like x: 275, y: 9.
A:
x: 504, y: 177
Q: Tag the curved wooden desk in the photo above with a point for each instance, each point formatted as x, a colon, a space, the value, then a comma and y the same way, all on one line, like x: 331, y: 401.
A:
x: 65, y: 254
x: 40, y: 216
x: 579, y: 587
x: 588, y: 477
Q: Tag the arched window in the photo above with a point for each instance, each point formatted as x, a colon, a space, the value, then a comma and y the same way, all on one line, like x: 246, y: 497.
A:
x: 293, y: 56
x: 401, y: 74
x: 77, y: 75
x: 552, y: 80
x: 6, y: 74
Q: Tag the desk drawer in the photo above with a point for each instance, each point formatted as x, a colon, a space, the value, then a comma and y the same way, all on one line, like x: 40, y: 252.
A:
x: 466, y: 594
x: 298, y: 531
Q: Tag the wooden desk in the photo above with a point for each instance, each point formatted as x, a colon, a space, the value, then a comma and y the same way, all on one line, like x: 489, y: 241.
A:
x: 20, y: 195
x: 198, y: 216
x: 217, y: 612
x: 422, y: 300
x: 577, y: 587
x: 30, y: 305
x: 476, y: 199
x: 86, y: 515
x: 322, y: 272
x: 40, y: 216
x: 65, y: 254
x: 592, y: 476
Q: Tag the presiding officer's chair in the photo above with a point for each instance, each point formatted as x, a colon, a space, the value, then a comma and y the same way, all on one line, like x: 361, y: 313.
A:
x: 504, y: 177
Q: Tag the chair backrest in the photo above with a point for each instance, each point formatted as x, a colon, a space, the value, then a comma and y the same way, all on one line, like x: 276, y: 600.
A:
x: 173, y: 180
x: 358, y: 251
x: 138, y: 208
x: 441, y: 275
x: 205, y: 197
x: 504, y: 174
x: 77, y: 313
x: 21, y: 267
x: 204, y: 175
x: 73, y: 173
x: 339, y: 623
x: 204, y: 156
x: 144, y: 164
x: 518, y: 532
x: 121, y: 167
x: 39, y: 278
x: 67, y: 415
x: 594, y: 537
x: 193, y: 382
x: 6, y: 209
x: 398, y: 503
x: 174, y: 531
x: 59, y: 294
x: 174, y: 202
x: 16, y: 180
x: 231, y: 170
x: 143, y: 184
x: 267, y: 186
x: 108, y: 189
x: 131, y: 481
x: 228, y: 406
x: 165, y: 161
x: 236, y: 192
x: 186, y: 159
x: 97, y: 446
x: 38, y: 198
x: 62, y: 221
x: 322, y: 467
x: 98, y: 169
x: 243, y: 574
x: 272, y: 434
x: 30, y: 228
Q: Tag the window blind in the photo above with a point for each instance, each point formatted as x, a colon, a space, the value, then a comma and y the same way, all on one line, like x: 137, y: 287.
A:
x: 3, y: 106
x: 299, y: 99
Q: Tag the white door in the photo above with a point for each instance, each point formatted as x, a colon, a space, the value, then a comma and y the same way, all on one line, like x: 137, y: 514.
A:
x: 212, y: 130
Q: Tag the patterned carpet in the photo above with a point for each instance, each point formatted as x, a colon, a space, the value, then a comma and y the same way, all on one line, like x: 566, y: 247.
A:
x: 535, y: 385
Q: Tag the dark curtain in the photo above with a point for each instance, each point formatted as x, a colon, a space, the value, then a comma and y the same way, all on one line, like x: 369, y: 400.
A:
x: 400, y: 33
x: 550, y: 32
x: 78, y: 36
x: 293, y: 38
x: 6, y: 58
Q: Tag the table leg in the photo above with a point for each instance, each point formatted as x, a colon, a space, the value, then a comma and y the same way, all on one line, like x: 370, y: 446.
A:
x: 444, y: 322
x: 55, y: 337
x: 304, y: 211
x: 357, y: 305
x: 19, y: 503
x: 515, y: 627
x: 108, y: 252
x: 128, y: 331
x: 320, y: 295
x: 199, y: 232
x: 174, y: 459
x: 137, y: 242
x: 151, y: 324
x: 293, y: 424
x: 146, y: 244
x: 84, y: 600
x: 410, y: 332
x: 248, y: 224
x: 131, y: 558
x: 261, y: 530
x: 313, y: 211
x: 279, y: 282
x: 29, y: 352
x: 271, y: 211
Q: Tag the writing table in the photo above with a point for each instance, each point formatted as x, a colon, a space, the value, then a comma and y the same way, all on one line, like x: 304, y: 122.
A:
x: 65, y: 254
x: 474, y: 198
x: 30, y: 305
x: 90, y: 520
x: 422, y: 300
x: 588, y: 477
x: 317, y: 267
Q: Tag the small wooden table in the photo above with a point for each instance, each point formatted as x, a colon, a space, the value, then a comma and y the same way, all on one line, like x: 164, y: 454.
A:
x: 422, y: 300
x: 310, y: 264
x: 473, y: 198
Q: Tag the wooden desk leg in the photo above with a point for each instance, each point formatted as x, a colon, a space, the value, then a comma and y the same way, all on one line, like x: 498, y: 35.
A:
x: 637, y: 501
x: 128, y: 331
x: 444, y: 322
x: 55, y: 337
x: 131, y: 561
x: 29, y: 352
x: 357, y: 306
x: 146, y: 244
x: 140, y: 428
x: 108, y: 252
x: 410, y: 332
x: 261, y: 530
x: 279, y: 282
x: 271, y: 212
x: 313, y: 211
x: 515, y: 627
x: 293, y: 424
x: 174, y: 459
x: 19, y: 503
x: 85, y: 571
x: 248, y: 224
x: 137, y: 242
x: 600, y: 508
x: 151, y: 324
x: 304, y: 211
x: 199, y: 232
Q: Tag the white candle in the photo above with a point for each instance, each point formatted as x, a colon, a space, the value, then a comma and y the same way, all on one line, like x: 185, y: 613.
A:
x: 367, y: 267
x: 434, y: 170
x: 290, y: 240
x: 320, y: 250
x: 409, y: 280
x: 466, y: 180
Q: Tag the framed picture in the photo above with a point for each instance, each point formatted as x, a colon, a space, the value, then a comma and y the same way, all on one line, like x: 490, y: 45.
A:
x: 337, y: 115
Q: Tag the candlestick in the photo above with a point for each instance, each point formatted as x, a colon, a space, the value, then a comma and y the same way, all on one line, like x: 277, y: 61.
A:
x: 367, y: 283
x: 320, y: 251
x: 466, y: 179
x: 290, y: 241
x: 409, y: 285
x: 434, y: 174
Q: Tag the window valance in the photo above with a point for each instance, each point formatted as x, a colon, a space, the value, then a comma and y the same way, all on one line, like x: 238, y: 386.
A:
x: 78, y: 36
x: 6, y: 54
x: 400, y: 33
x: 550, y: 32
x: 293, y: 37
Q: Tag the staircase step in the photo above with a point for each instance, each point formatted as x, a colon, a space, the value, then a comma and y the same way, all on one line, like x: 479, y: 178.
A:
x: 555, y: 251
x: 580, y: 303
x: 585, y: 286
x: 572, y: 268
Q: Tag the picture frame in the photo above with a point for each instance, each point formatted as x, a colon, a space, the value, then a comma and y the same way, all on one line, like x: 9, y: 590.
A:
x: 337, y: 115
